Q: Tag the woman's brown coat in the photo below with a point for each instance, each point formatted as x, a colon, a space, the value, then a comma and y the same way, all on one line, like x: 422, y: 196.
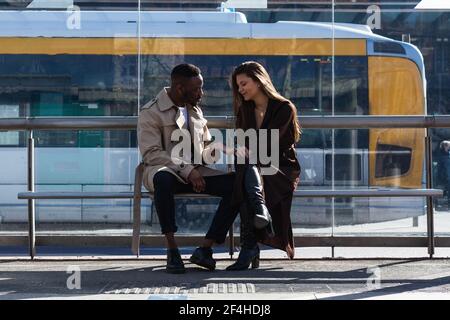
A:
x: 278, y: 188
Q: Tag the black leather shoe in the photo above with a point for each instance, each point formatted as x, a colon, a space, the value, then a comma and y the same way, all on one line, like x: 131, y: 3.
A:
x: 246, y: 257
x: 174, y: 262
x: 203, y: 257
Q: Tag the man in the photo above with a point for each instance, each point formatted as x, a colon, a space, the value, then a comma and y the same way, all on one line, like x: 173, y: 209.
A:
x: 167, y: 172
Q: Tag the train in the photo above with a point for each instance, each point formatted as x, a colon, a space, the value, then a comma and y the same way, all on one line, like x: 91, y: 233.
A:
x: 111, y: 63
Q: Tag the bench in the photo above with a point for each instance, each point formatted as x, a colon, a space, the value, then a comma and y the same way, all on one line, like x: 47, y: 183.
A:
x: 137, y: 195
x: 109, y: 195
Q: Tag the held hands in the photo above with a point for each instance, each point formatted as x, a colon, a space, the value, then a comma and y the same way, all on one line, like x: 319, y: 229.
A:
x: 222, y: 148
x: 197, y: 181
x: 240, y: 151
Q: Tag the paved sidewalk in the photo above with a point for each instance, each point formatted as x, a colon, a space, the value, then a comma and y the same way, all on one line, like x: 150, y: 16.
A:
x: 276, y: 279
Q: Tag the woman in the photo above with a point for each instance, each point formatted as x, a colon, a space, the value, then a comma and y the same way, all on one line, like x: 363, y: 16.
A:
x: 264, y: 201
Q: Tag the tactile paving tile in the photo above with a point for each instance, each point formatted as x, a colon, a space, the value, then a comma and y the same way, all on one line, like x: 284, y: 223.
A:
x: 225, y: 288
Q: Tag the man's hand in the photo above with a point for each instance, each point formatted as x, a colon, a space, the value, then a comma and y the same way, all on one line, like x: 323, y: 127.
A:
x: 197, y: 181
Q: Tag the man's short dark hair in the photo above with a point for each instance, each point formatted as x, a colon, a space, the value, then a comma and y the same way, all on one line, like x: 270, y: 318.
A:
x: 184, y: 70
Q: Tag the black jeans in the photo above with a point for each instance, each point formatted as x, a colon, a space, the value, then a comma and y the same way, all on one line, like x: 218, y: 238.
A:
x: 167, y: 185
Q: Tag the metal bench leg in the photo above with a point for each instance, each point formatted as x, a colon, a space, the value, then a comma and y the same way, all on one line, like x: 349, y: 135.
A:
x: 231, y: 231
x: 430, y: 209
x: 430, y: 226
x: 231, y: 236
x: 137, y: 209
x: 31, y: 202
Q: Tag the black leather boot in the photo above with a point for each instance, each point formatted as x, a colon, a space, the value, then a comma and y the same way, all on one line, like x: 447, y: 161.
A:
x: 249, y: 253
x: 174, y: 262
x: 246, y: 257
x: 253, y: 187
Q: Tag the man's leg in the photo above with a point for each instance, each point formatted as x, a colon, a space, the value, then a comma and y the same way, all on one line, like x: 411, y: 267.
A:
x: 166, y: 185
x: 221, y: 186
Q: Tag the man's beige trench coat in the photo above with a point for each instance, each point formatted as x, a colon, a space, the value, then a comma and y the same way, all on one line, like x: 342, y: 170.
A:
x: 157, y: 121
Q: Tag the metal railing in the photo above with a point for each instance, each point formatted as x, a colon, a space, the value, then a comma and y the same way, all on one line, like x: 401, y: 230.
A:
x: 31, y: 124
x: 307, y: 122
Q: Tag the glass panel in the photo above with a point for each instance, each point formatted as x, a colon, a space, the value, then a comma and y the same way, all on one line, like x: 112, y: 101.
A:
x: 9, y: 138
x: 54, y: 215
x: 113, y: 214
x: 441, y: 180
x: 297, y: 60
x: 13, y: 179
x: 397, y: 76
x: 58, y: 59
x: 85, y: 165
x: 376, y: 59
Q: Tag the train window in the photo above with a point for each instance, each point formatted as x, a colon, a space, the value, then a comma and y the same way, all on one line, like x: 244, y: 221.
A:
x: 60, y: 138
x: 104, y: 85
x: 388, y: 47
x: 9, y: 138
x: 305, y: 80
x: 313, y: 85
x: 392, y: 160
x: 347, y: 167
x: 216, y: 71
x: 47, y: 104
x: 312, y: 138
x: 348, y: 138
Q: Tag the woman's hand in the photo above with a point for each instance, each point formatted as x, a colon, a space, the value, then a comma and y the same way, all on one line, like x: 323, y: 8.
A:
x: 295, y: 184
x: 228, y: 150
x: 222, y: 148
x: 242, y: 152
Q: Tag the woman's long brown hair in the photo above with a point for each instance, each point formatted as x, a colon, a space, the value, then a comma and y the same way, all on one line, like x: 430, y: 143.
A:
x: 258, y: 73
